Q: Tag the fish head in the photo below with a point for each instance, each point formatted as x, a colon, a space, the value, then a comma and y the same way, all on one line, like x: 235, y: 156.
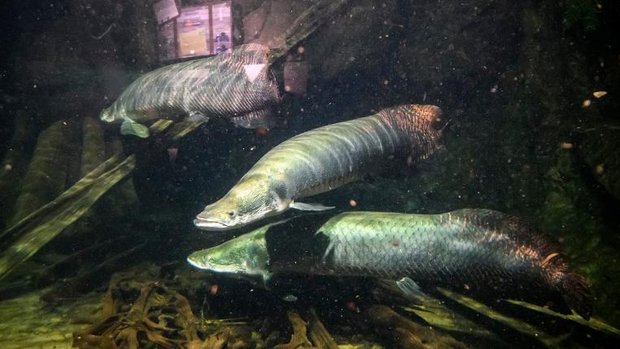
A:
x: 245, y: 256
x: 107, y: 115
x: 248, y: 201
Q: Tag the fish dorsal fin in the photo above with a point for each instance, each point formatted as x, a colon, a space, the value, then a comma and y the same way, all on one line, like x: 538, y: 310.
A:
x: 252, y: 71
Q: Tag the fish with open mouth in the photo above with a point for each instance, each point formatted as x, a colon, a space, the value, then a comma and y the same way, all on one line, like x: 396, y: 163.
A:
x: 237, y: 85
x: 323, y: 159
x: 477, y: 251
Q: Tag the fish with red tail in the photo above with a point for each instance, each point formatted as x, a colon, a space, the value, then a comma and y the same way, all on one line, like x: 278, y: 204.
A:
x: 323, y: 159
x: 477, y: 251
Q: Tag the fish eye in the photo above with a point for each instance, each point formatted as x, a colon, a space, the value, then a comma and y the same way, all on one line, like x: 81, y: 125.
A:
x: 231, y: 214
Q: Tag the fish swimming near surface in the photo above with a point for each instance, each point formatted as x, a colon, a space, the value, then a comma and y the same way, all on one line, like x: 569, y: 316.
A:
x: 322, y: 159
x: 478, y: 251
x: 237, y: 85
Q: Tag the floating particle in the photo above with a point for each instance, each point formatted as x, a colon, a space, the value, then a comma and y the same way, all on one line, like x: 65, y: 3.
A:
x: 172, y: 154
x: 213, y: 289
x: 599, y: 94
x: 586, y: 103
x: 409, y: 160
x: 8, y: 167
x: 352, y: 203
x: 566, y: 145
x: 290, y: 298
x: 262, y: 131
x: 599, y: 169
x: 301, y: 50
x: 352, y: 306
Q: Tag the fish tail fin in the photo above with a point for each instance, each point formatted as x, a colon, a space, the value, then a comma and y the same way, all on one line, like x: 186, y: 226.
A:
x: 577, y: 294
x: 134, y: 128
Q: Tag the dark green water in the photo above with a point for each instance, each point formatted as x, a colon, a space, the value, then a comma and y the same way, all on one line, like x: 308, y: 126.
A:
x: 529, y: 132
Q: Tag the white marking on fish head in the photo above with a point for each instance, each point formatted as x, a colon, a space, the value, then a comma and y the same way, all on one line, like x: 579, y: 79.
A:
x: 252, y: 71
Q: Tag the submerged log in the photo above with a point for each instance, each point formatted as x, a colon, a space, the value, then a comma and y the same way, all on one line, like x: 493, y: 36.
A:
x: 592, y: 323
x: 308, y: 22
x: 123, y: 197
x: 58, y: 269
x: 516, y: 324
x: 434, y: 312
x: 38, y: 228
x: 406, y: 333
x: 47, y: 172
x: 91, y: 278
x: 93, y: 146
x: 14, y: 165
x: 46, y: 223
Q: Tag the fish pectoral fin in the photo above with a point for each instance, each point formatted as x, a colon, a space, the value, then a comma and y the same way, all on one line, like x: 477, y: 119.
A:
x: 198, y: 117
x: 266, y: 280
x: 130, y: 127
x: 309, y: 207
x: 410, y: 289
x: 255, y: 119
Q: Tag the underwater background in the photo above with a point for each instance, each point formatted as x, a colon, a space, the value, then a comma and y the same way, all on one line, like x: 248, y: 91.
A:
x: 528, y: 91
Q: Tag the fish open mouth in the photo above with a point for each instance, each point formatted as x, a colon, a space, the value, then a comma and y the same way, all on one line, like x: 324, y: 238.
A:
x: 207, y: 224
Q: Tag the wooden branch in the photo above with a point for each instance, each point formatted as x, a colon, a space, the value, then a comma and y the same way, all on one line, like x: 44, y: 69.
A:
x: 306, y: 24
x: 406, y: 333
x: 319, y: 334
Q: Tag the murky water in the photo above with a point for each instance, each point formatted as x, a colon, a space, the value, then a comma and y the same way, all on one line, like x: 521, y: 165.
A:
x: 99, y: 215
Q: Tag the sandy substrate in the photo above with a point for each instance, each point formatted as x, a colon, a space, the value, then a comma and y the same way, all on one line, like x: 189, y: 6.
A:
x: 26, y: 322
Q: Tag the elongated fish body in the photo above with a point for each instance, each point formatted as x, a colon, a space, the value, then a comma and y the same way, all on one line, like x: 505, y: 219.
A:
x: 473, y: 250
x: 238, y: 85
x: 323, y: 159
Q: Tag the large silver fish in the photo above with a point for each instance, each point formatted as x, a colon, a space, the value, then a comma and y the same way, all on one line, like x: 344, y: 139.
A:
x: 471, y: 250
x: 322, y: 159
x: 238, y: 85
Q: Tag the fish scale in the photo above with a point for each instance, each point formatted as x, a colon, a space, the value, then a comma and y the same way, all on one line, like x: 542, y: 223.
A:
x: 465, y: 248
